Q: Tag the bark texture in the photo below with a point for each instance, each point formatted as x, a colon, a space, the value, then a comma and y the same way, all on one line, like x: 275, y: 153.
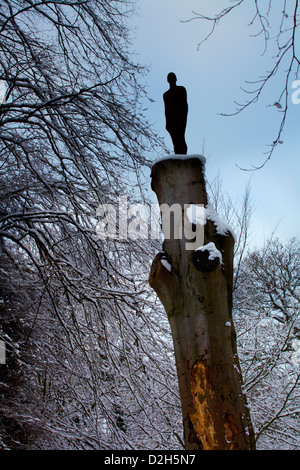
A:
x: 196, y: 292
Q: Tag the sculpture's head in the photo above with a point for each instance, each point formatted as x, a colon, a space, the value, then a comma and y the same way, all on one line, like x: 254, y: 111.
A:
x: 172, y: 79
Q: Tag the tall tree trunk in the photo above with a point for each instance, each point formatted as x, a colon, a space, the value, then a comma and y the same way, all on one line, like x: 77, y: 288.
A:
x: 195, y: 287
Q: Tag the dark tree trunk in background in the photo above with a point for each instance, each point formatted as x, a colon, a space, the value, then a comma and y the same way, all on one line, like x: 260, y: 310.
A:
x: 196, y: 291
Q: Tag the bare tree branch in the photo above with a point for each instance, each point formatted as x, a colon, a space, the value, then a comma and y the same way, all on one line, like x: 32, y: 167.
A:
x: 286, y: 56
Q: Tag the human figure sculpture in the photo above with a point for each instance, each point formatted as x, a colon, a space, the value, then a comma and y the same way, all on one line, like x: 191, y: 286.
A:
x: 176, y: 110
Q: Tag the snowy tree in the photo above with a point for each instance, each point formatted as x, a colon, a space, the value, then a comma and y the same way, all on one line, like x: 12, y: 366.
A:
x: 267, y: 318
x: 237, y: 214
x: 267, y: 322
x: 73, y: 137
x: 90, y: 362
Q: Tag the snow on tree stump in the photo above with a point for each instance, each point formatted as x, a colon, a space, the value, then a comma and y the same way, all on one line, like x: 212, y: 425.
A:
x: 194, y: 284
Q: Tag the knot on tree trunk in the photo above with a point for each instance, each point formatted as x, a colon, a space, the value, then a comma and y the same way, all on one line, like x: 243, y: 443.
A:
x: 204, y: 262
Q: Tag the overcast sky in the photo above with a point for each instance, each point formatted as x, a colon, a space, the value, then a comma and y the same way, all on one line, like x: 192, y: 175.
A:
x: 213, y: 77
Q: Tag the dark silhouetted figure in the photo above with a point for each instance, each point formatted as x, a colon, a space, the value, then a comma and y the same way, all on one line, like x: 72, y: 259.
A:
x: 176, y: 110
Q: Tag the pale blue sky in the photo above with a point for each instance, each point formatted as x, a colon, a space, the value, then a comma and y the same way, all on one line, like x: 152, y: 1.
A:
x: 213, y: 76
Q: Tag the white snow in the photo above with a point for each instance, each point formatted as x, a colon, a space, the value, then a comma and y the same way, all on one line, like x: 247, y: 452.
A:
x: 198, y: 215
x: 228, y: 323
x: 213, y: 251
x: 181, y: 157
x: 222, y: 227
x: 166, y: 264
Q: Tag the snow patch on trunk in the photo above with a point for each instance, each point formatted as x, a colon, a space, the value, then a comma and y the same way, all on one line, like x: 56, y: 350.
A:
x: 213, y: 251
x: 181, y: 157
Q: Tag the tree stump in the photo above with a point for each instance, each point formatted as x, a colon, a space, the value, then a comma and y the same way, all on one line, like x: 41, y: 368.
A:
x: 195, y: 288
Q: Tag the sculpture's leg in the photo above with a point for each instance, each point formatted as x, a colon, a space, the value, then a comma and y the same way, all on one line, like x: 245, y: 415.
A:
x: 180, y: 147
